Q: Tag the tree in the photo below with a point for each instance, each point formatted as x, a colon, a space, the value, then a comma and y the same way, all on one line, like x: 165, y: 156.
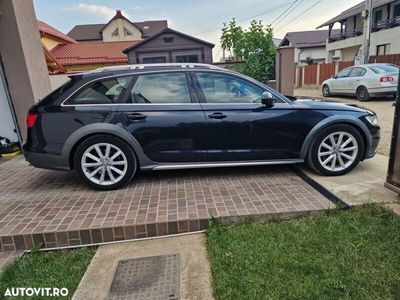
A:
x: 309, y: 60
x: 255, y: 46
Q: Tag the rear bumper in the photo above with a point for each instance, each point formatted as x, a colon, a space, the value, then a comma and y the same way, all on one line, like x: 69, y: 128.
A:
x: 46, y: 161
x: 383, y: 91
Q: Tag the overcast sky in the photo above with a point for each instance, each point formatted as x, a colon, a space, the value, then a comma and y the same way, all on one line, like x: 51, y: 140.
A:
x: 202, y: 19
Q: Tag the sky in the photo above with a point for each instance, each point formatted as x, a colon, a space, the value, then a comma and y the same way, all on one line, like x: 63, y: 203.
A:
x: 201, y: 18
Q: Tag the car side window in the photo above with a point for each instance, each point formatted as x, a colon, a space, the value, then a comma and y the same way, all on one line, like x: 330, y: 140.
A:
x: 344, y: 73
x: 222, y: 88
x: 357, y: 72
x: 103, y: 91
x: 160, y: 88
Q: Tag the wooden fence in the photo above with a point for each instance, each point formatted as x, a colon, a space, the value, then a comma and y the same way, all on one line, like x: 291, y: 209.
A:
x: 317, y: 74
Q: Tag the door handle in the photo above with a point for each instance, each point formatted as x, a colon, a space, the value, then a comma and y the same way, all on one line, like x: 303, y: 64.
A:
x: 135, y: 117
x: 217, y: 115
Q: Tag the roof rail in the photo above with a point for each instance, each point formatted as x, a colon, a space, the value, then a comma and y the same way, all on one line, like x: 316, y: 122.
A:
x: 161, y: 65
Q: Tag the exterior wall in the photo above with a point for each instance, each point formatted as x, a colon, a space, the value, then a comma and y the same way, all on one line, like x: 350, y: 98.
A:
x: 285, y: 70
x: 387, y: 36
x: 6, y: 121
x: 316, y: 53
x: 49, y: 43
x: 58, y: 80
x: 120, y: 24
x: 349, y: 53
x: 180, y: 45
x: 23, y: 60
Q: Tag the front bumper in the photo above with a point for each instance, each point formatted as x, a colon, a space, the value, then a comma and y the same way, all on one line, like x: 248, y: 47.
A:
x: 375, y: 132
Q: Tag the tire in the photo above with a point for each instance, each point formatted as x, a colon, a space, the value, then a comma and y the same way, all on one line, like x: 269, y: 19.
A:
x: 326, y: 92
x: 118, y: 166
x: 319, y: 154
x: 362, y: 94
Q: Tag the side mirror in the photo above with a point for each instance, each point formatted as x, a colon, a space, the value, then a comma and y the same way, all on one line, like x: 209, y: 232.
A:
x: 334, y: 76
x: 267, y: 99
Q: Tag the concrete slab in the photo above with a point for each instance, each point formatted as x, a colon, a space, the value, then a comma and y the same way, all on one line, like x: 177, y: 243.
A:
x: 362, y: 185
x: 195, y: 270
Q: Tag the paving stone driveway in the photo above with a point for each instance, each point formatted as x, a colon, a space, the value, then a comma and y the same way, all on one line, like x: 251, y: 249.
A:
x: 55, y: 209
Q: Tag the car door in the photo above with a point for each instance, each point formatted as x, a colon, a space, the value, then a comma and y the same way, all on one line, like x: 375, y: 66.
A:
x: 355, y: 78
x: 163, y: 115
x: 239, y: 127
x: 339, y: 84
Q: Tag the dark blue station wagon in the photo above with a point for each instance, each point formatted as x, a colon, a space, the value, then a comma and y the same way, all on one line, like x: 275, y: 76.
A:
x: 113, y: 122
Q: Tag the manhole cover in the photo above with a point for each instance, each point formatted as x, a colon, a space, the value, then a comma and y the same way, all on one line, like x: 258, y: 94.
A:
x: 155, y: 277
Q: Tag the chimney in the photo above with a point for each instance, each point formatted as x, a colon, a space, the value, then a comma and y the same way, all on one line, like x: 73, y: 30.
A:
x: 118, y: 14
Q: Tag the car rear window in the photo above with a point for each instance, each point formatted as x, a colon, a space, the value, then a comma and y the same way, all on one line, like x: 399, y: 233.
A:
x: 382, y: 69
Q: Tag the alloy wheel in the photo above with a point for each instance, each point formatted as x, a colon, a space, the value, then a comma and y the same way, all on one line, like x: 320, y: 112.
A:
x: 338, y: 151
x: 104, y: 164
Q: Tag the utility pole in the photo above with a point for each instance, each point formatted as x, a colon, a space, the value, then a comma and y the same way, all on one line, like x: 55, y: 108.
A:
x: 367, y: 17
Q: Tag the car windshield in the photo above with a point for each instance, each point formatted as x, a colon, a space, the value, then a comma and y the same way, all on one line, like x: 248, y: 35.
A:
x: 381, y: 69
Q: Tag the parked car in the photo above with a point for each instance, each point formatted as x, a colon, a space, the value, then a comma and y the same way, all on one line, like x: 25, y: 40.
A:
x: 109, y: 124
x: 363, y: 81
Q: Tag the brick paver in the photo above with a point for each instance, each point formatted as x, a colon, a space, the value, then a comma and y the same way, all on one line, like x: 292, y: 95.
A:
x: 7, y: 257
x: 55, y: 209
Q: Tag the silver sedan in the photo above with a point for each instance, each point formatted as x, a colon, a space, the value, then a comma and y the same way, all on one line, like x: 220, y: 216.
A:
x: 363, y: 81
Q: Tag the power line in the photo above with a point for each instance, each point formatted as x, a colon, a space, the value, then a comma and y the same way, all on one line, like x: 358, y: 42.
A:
x: 261, y: 14
x: 284, y: 12
x: 301, y: 14
x: 289, y: 12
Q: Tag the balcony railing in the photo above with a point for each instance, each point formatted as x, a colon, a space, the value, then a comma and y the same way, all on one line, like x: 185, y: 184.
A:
x: 345, y: 35
x: 381, y: 25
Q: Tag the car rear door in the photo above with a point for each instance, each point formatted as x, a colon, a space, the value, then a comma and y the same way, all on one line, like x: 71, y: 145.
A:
x: 239, y: 127
x: 163, y: 115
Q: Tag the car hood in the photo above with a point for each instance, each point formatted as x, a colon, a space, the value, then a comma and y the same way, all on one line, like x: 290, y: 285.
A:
x: 325, y: 105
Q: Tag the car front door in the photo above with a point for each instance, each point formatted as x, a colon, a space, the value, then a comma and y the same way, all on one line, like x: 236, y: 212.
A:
x: 355, y: 77
x: 239, y: 127
x: 339, y: 84
x: 163, y: 115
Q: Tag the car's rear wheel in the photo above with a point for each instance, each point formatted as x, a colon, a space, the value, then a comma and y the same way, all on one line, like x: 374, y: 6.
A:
x: 105, y: 162
x: 336, y: 150
x: 362, y: 94
x: 326, y: 91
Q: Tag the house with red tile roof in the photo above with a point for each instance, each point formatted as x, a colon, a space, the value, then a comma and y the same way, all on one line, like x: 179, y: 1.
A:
x: 91, y: 46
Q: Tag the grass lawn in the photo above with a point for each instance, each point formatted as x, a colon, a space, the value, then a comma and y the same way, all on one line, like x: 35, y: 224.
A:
x: 47, y: 269
x: 351, y: 254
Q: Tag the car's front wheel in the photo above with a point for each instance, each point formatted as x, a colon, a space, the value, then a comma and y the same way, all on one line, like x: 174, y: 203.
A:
x: 336, y: 150
x: 105, y: 162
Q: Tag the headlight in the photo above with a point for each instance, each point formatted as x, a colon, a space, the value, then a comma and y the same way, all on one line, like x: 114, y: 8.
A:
x: 373, y: 120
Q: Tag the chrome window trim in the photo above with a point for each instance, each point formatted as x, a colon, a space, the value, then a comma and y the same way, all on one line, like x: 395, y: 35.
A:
x: 112, y: 76
x: 218, y: 71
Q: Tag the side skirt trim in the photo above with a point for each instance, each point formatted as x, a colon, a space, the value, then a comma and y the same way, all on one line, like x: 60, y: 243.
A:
x: 222, y: 164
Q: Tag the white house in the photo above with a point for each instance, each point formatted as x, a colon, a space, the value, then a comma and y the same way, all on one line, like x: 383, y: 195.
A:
x: 308, y: 45
x: 385, y: 31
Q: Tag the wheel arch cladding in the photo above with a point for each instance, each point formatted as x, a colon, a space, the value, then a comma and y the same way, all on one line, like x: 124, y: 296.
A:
x: 335, y: 120
x: 85, y: 132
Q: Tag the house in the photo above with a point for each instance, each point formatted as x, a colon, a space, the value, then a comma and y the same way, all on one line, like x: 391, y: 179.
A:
x: 119, y: 28
x: 385, y: 31
x: 169, y: 46
x: 308, y: 45
x: 50, y: 38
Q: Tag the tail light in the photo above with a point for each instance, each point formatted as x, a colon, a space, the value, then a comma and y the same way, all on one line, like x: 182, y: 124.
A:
x: 386, y: 79
x: 31, y: 120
